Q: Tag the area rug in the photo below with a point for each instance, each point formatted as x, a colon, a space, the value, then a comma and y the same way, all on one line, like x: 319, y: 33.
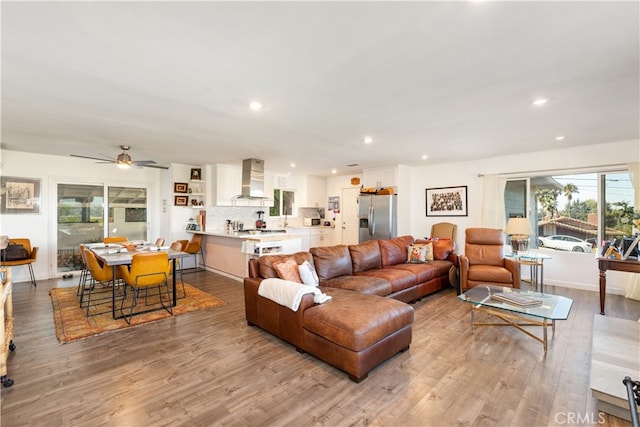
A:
x: 72, y: 323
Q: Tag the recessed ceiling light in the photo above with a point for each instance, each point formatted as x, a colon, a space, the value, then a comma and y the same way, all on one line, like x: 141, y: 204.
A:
x: 425, y: 157
x: 368, y: 140
x: 293, y: 165
x: 559, y: 137
x: 256, y: 105
x: 540, y: 101
x: 333, y: 171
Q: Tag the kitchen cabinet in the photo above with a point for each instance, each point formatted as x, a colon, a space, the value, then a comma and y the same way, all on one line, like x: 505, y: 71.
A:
x: 316, y: 192
x: 319, y: 237
x: 376, y: 178
x: 227, y: 186
x: 314, y: 237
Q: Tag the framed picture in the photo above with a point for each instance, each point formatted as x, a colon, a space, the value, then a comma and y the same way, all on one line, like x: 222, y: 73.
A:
x: 196, y: 174
x: 181, y: 200
x: 446, y: 201
x: 180, y: 187
x: 20, y: 195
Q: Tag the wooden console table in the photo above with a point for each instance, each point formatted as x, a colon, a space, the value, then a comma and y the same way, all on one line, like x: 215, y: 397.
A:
x: 604, y: 264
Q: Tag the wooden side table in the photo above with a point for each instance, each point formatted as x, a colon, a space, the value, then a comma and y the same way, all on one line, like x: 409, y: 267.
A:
x: 604, y: 264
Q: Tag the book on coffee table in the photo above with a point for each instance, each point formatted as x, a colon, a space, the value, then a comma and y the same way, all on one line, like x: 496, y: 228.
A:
x: 515, y: 299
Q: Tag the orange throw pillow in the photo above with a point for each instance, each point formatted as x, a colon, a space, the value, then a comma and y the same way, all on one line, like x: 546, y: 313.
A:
x: 288, y: 270
x: 442, y: 248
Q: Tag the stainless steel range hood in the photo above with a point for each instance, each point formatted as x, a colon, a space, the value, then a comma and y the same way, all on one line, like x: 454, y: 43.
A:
x: 252, y: 179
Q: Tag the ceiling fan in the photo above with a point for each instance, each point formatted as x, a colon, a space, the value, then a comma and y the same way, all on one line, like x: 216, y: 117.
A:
x: 124, y: 160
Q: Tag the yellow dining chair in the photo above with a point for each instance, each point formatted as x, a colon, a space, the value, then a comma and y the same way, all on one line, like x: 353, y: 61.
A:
x: 194, y: 247
x: 96, y: 274
x: 33, y: 253
x: 114, y: 239
x: 147, y: 270
x: 177, y: 246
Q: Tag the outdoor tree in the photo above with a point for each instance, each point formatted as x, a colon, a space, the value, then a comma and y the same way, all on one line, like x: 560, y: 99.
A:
x: 569, y: 190
x: 548, y: 199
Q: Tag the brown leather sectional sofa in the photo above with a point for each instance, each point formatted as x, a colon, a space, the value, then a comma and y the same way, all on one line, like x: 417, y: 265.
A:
x: 367, y: 320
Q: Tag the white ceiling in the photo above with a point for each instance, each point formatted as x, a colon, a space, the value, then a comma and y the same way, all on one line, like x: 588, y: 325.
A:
x: 452, y: 80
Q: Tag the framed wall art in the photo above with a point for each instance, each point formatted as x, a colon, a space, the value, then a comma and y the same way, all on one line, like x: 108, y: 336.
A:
x: 196, y: 174
x: 20, y: 195
x: 180, y: 187
x: 181, y: 200
x: 446, y: 201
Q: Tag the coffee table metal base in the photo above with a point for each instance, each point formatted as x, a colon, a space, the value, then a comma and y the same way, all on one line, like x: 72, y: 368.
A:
x: 515, y: 320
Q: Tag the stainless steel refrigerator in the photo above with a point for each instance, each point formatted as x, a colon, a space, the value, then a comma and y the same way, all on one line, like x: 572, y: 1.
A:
x: 377, y: 217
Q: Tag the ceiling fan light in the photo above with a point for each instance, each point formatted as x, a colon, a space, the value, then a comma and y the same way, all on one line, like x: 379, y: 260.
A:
x: 124, y: 159
x: 123, y: 165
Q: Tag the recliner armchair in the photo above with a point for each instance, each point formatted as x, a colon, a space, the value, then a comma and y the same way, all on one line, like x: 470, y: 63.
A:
x: 484, y: 262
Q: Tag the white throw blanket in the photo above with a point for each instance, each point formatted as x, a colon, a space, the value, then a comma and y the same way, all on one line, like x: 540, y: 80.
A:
x: 289, y: 293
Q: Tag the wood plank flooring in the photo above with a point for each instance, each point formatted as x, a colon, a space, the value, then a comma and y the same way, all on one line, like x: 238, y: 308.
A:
x: 210, y: 368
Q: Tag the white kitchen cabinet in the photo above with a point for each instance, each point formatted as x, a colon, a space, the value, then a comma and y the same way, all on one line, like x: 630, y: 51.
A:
x: 226, y: 184
x: 319, y: 237
x: 313, y: 237
x: 376, y: 178
x: 316, y: 192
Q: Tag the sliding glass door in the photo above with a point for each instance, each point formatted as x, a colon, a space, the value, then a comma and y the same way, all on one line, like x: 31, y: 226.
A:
x: 82, y: 215
x: 80, y: 220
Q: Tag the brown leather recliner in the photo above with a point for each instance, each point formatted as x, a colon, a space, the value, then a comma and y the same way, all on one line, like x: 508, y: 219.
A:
x: 484, y: 262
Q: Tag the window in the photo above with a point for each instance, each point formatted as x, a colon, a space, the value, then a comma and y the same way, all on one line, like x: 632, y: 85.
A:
x: 283, y: 203
x: 573, y: 212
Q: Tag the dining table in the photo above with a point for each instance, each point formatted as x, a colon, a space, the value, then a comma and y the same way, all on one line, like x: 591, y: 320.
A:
x: 116, y: 254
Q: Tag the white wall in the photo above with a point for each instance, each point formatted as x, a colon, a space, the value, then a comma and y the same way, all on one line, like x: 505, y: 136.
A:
x: 41, y: 228
x: 565, y: 269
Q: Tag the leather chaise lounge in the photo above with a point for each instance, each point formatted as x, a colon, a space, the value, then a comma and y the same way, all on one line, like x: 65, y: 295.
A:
x: 367, y: 320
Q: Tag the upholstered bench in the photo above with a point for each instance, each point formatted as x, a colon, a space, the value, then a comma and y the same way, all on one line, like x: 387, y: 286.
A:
x: 356, y: 332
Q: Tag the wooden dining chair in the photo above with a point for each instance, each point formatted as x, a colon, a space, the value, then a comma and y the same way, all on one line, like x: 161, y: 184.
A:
x: 159, y: 241
x: 148, y: 270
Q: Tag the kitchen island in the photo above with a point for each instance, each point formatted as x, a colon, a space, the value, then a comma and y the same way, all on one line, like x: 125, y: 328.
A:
x: 229, y: 253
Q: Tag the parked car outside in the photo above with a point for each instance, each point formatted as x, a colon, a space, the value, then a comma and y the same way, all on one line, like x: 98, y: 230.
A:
x: 564, y: 243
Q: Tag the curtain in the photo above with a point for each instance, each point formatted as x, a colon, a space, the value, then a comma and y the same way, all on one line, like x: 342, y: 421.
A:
x: 493, y: 202
x: 633, y: 280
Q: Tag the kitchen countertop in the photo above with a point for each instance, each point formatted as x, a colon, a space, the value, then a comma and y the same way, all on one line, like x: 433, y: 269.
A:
x: 246, y: 236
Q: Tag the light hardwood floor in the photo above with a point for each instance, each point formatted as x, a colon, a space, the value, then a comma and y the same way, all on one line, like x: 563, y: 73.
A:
x: 210, y: 368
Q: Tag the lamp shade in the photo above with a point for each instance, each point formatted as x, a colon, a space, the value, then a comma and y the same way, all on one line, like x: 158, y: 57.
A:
x: 519, y: 227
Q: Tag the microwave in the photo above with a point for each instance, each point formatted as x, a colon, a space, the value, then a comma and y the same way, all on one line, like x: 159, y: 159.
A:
x: 311, y: 221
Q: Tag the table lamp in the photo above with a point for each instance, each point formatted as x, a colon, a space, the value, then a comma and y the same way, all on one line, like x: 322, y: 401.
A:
x: 519, y: 229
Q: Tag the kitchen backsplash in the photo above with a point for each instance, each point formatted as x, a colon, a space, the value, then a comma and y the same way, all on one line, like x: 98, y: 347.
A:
x: 217, y: 217
x: 311, y: 213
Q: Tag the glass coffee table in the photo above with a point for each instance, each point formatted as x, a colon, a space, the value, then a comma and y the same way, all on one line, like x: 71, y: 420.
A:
x: 544, y: 310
